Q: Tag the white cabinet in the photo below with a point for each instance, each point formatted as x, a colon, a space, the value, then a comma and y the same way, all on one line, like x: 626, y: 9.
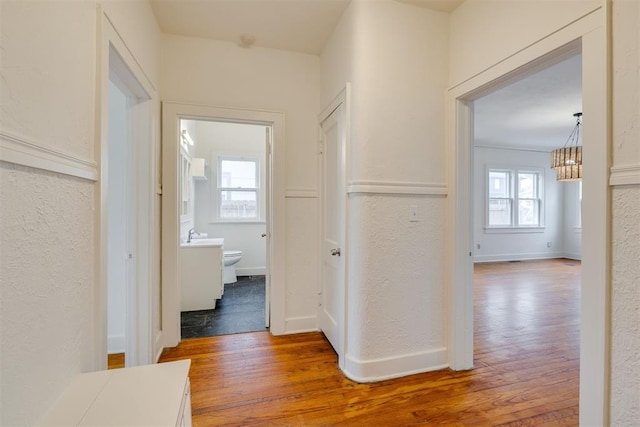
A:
x: 198, y: 169
x: 151, y: 395
x: 201, y: 273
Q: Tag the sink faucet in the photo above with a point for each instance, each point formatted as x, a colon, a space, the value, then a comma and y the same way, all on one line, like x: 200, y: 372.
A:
x: 191, y: 233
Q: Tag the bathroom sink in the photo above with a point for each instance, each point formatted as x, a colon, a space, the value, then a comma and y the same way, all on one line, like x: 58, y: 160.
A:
x: 203, y: 242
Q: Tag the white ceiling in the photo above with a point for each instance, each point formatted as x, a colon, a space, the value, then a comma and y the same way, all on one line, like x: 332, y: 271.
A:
x: 296, y: 25
x: 535, y: 112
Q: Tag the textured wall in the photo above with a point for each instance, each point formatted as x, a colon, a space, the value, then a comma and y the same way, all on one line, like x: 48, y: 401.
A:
x: 398, y: 113
x: 396, y: 303
x: 395, y: 56
x: 525, y: 21
x: 626, y: 82
x: 39, y: 41
x: 47, y: 239
x: 625, y: 334
x: 46, y: 285
x: 625, y: 298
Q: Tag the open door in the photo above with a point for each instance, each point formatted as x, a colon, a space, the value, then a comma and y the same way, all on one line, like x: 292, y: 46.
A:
x: 331, y: 316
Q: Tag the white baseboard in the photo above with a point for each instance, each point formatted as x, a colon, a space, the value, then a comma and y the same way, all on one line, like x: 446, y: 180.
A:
x: 158, y: 346
x: 296, y: 325
x: 571, y: 255
x: 364, y: 371
x: 116, y: 344
x: 518, y: 257
x: 251, y: 271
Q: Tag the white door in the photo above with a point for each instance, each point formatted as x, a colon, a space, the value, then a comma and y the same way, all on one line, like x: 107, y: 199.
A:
x: 332, y: 295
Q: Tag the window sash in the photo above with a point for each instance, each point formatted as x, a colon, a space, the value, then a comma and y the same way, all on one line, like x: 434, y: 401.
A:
x: 238, y: 210
x: 494, y: 214
x: 517, y: 212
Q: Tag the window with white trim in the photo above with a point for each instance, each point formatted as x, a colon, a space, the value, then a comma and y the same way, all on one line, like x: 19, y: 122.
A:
x: 238, y: 188
x: 514, y: 198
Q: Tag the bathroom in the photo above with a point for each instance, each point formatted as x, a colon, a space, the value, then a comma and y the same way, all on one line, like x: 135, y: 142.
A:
x: 224, y: 196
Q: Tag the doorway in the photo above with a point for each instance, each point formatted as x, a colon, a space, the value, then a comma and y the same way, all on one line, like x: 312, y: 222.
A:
x: 175, y: 224
x: 124, y: 206
x: 589, y: 37
x: 333, y: 249
x: 120, y: 215
x: 228, y: 187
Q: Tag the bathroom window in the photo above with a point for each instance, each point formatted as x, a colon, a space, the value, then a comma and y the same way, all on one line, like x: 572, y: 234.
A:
x: 238, y: 188
x: 514, y: 198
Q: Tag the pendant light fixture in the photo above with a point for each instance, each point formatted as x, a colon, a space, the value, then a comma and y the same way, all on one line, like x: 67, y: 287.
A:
x: 567, y: 161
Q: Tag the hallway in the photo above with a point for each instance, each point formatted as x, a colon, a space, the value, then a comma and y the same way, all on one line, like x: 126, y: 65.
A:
x: 526, y: 366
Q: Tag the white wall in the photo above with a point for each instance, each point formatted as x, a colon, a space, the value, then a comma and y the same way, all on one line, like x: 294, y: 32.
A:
x: 508, y: 245
x: 231, y: 139
x: 625, y: 339
x: 525, y: 22
x: 572, y: 227
x: 47, y: 218
x: 218, y: 73
x: 395, y: 55
x: 117, y: 244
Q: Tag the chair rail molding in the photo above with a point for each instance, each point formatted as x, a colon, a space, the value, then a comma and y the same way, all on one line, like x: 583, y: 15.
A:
x: 625, y: 175
x: 397, y: 187
x: 19, y: 151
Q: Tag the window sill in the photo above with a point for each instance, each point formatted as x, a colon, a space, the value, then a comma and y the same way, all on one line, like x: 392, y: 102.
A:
x: 513, y: 230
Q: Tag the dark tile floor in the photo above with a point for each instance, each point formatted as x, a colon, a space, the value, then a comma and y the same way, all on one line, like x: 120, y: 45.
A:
x: 241, y: 309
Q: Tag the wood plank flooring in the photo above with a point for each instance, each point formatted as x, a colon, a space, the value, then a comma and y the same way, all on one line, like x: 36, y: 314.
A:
x: 115, y: 361
x: 526, y: 367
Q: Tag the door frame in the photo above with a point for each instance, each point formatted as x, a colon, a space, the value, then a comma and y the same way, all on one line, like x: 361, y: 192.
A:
x: 172, y: 113
x: 590, y: 34
x: 343, y: 98
x: 115, y: 59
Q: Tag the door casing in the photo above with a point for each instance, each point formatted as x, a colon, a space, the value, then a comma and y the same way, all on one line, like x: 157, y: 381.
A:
x: 588, y: 34
x: 339, y: 105
x: 172, y: 113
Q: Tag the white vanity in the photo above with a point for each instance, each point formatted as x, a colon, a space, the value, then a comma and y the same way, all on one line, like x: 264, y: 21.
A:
x: 201, y: 273
x: 151, y: 395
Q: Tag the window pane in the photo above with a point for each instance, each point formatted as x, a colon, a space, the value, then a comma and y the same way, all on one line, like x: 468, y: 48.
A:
x: 498, y: 184
x: 527, y: 183
x: 238, y: 174
x: 499, y: 212
x: 528, y: 212
x: 238, y: 204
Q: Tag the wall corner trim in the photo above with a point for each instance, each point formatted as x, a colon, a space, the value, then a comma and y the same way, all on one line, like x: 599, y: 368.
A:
x: 19, y: 151
x: 364, y: 371
x: 393, y: 187
x: 625, y: 175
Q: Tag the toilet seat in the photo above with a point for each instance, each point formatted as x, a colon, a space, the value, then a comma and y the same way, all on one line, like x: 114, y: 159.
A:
x: 232, y: 253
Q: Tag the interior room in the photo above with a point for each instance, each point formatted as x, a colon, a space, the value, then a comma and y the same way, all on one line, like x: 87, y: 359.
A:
x: 227, y: 187
x: 515, y: 130
x: 371, y: 226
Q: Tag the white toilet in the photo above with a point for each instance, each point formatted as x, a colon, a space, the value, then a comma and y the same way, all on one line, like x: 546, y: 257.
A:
x: 230, y: 259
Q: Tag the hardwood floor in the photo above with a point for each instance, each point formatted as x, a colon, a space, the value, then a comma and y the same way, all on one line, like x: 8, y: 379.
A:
x: 115, y: 361
x: 526, y: 367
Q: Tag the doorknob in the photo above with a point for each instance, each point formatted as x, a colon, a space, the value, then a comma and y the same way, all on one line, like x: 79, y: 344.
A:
x: 335, y: 252
x: 263, y: 235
